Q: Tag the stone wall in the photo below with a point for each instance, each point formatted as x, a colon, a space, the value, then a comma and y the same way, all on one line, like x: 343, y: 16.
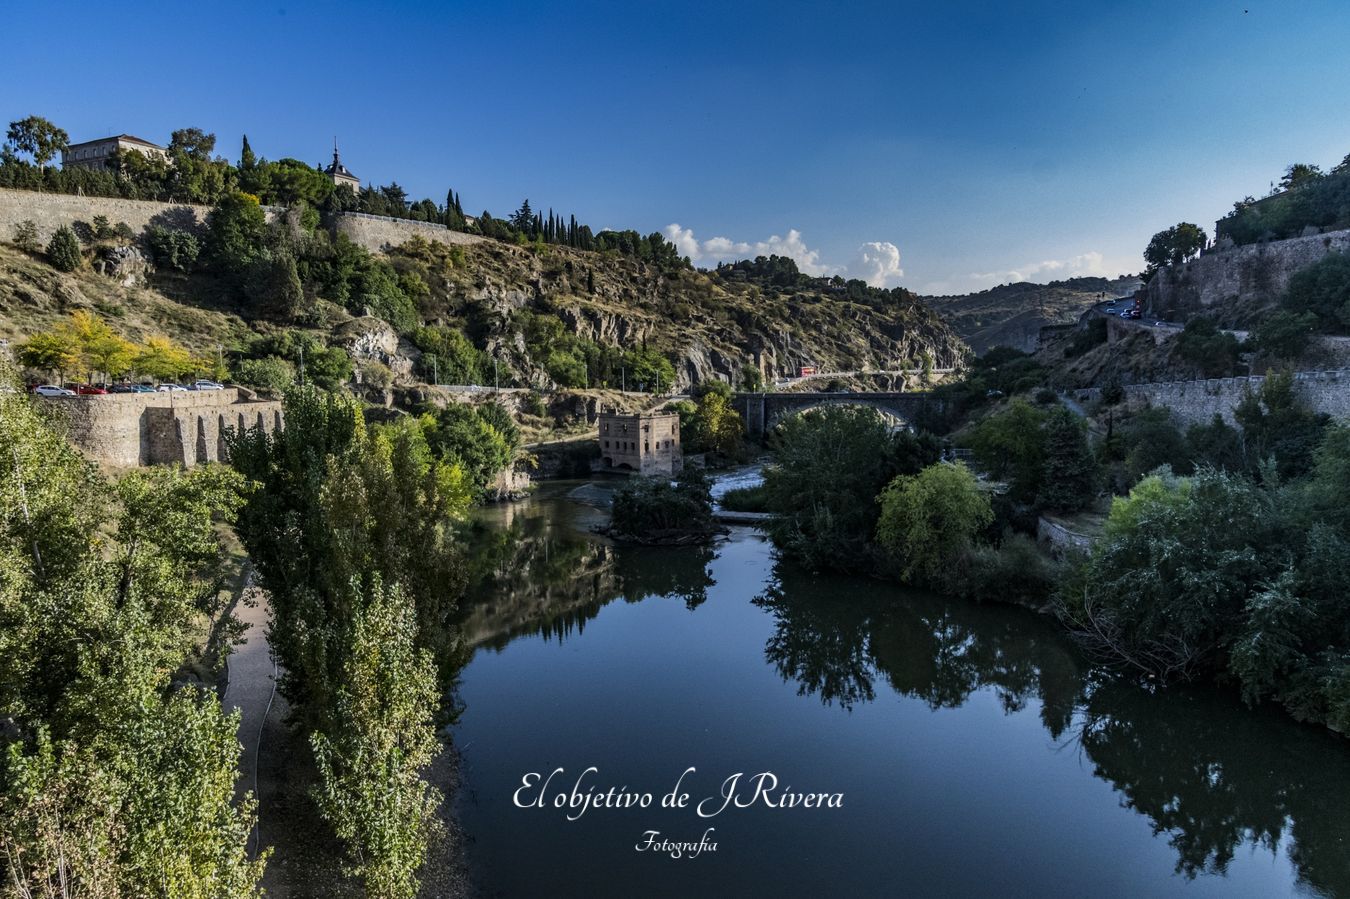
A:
x: 1059, y: 539
x: 127, y: 430
x: 1197, y: 402
x: 50, y: 211
x: 1254, y: 272
x: 375, y: 232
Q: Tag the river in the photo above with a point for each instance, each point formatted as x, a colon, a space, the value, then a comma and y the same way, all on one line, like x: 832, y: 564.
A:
x: 975, y: 751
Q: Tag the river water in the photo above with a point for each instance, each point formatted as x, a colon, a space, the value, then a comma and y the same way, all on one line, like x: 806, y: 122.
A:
x: 976, y: 753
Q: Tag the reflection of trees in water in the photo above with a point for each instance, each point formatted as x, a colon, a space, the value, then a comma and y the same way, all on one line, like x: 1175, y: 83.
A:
x: 925, y: 647
x: 681, y: 571
x: 531, y: 573
x: 1210, y: 774
x: 1215, y: 776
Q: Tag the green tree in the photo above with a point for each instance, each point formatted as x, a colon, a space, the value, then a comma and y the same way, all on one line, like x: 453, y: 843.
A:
x: 1174, y: 245
x: 1299, y: 174
x: 271, y: 373
x: 235, y: 233
x: 1323, y: 289
x: 1010, y: 444
x: 38, y: 138
x: 63, y: 251
x: 929, y: 521
x: 1070, y: 476
x: 829, y: 465
x: 1284, y: 334
x: 370, y: 786
x: 1213, y: 351
x: 1166, y: 586
x: 116, y: 782
x: 26, y: 237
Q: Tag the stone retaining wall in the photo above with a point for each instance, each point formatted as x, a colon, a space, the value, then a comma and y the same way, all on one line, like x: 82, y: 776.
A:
x: 375, y: 233
x: 1197, y: 402
x: 127, y: 430
x: 1250, y: 272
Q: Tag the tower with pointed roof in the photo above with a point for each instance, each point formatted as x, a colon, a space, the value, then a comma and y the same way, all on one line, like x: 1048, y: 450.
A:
x: 340, y: 174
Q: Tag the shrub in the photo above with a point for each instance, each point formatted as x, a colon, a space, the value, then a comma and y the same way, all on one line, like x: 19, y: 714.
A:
x: 1284, y: 334
x: 172, y: 248
x: 648, y: 509
x: 26, y: 236
x: 1323, y: 289
x: 1203, y: 345
x: 1014, y: 571
x: 272, y: 373
x: 746, y: 499
x: 64, y: 250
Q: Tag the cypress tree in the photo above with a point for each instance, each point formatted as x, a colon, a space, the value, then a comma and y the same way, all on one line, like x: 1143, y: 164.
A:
x: 1070, y: 474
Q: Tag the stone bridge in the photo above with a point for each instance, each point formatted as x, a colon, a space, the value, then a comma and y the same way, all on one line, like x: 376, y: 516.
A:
x: 762, y: 411
x: 125, y: 430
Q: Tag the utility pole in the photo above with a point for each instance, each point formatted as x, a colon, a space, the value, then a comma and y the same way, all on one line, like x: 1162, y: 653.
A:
x: 496, y: 385
x: 435, y: 372
x: 302, y: 365
x: 623, y: 379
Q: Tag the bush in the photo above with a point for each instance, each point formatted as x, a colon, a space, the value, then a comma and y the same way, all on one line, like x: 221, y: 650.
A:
x: 63, y: 252
x: 172, y: 248
x: 376, y: 374
x: 26, y: 236
x: 1323, y: 289
x: 1203, y: 345
x: 1014, y: 571
x: 272, y: 373
x: 746, y: 499
x: 653, y: 509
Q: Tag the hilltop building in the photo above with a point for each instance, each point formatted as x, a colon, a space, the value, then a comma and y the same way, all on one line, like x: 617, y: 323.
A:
x: 100, y: 154
x: 648, y: 443
x: 340, y: 174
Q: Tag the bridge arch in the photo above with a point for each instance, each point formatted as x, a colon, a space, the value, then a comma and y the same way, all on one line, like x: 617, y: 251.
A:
x: 762, y: 412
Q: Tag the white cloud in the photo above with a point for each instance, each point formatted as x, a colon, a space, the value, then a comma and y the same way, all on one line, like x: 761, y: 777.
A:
x: 877, y: 262
x: 1083, y: 265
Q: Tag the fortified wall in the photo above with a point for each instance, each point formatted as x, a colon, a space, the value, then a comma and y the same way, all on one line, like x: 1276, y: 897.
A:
x: 1259, y: 272
x: 127, y: 430
x: 1197, y: 402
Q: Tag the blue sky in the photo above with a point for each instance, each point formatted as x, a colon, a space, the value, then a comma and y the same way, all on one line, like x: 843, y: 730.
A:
x: 946, y: 146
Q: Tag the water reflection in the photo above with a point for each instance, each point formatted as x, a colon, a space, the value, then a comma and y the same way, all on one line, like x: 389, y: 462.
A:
x: 534, y: 571
x: 1213, y: 777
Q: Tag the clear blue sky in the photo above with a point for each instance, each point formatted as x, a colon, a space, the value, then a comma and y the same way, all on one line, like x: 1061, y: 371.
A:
x: 984, y: 140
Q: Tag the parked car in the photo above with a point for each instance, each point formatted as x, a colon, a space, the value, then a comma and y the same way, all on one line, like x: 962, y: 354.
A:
x: 90, y: 390
x: 171, y: 388
x: 204, y: 384
x: 52, y: 390
x: 142, y: 388
x: 122, y: 388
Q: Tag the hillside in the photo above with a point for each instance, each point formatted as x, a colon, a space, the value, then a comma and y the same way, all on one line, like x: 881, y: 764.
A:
x: 532, y: 310
x: 1013, y: 314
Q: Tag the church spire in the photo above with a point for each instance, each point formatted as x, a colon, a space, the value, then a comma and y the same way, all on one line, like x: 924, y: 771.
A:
x: 335, y: 151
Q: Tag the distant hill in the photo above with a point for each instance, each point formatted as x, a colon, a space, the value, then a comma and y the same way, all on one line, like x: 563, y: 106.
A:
x: 1013, y: 314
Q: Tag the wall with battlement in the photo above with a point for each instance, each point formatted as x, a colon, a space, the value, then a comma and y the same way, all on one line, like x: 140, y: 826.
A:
x: 375, y: 232
x: 127, y: 430
x: 1253, y: 272
x: 1197, y: 402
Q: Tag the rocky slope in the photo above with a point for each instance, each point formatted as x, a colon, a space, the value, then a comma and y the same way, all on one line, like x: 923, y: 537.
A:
x: 709, y: 324
x: 1013, y: 314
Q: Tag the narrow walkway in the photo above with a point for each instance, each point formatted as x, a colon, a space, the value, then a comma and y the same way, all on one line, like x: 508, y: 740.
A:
x: 252, y: 690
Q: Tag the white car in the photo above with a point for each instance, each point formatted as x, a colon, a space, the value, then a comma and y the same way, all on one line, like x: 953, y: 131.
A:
x: 207, y: 385
x: 171, y: 388
x: 52, y: 390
